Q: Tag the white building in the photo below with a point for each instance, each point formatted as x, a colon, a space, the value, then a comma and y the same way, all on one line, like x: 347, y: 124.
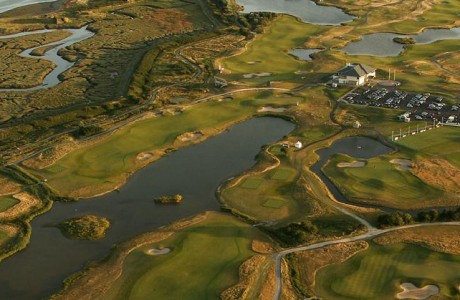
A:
x: 298, y: 145
x: 354, y: 74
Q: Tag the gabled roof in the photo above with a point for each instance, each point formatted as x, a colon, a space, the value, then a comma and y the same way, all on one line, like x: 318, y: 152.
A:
x: 356, y: 70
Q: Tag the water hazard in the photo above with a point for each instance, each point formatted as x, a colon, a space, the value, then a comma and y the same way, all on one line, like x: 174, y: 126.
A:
x: 354, y: 146
x: 7, y: 5
x: 306, y: 10
x: 195, y: 172
x: 382, y: 44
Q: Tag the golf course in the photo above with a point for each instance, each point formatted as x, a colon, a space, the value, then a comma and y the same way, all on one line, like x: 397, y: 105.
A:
x: 230, y: 149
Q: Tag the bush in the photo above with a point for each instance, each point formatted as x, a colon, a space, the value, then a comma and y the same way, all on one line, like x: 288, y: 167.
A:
x: 88, y: 227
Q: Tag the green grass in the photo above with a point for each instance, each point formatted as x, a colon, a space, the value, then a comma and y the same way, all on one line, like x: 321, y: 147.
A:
x: 379, y: 182
x: 441, y: 142
x: 283, y: 35
x: 7, y: 202
x: 268, y: 196
x: 275, y: 203
x: 203, y: 262
x: 283, y: 174
x: 251, y: 183
x: 84, y: 168
x: 377, y: 272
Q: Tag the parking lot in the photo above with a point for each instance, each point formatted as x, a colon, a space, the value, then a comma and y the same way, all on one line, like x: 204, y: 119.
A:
x: 416, y: 106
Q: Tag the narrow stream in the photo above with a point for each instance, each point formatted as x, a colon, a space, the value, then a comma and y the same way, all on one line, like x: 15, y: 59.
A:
x: 62, y: 65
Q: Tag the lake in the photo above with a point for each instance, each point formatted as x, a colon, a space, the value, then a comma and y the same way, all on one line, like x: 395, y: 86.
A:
x: 306, y: 10
x: 382, y: 44
x: 195, y: 172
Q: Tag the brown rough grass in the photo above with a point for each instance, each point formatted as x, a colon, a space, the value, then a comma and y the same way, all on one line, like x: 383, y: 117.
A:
x: 310, y: 262
x: 8, y: 186
x: 438, y: 172
x: 247, y: 276
x: 26, y: 203
x: 438, y: 238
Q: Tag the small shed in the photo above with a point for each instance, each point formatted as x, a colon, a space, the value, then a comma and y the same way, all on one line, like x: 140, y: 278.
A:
x: 356, y: 124
x: 298, y: 145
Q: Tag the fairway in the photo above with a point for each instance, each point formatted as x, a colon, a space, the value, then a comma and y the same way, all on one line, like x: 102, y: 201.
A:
x: 441, y: 142
x: 377, y: 272
x: 203, y: 262
x: 283, y: 35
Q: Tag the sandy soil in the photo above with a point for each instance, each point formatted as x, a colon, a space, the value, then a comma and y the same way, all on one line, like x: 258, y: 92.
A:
x: 271, y: 109
x: 402, y: 164
x: 144, y: 156
x: 155, y: 251
x: 354, y: 164
x: 410, y: 291
x: 26, y: 203
x: 256, y: 75
x: 190, y: 136
x: 439, y: 173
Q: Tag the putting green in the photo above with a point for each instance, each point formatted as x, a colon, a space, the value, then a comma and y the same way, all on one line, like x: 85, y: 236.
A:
x: 377, y: 272
x: 251, y: 183
x: 275, y: 203
x: 283, y: 174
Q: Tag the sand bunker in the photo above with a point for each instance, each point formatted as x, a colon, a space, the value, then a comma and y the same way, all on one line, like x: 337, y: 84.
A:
x: 272, y: 109
x: 144, y: 156
x: 410, y: 291
x: 155, y: 251
x: 256, y: 75
x: 353, y: 164
x: 402, y: 164
x: 190, y: 136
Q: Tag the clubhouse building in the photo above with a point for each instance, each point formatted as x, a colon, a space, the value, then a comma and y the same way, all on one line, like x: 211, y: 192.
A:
x: 353, y: 74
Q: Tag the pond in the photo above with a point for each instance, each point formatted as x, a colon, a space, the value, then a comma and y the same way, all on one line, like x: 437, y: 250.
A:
x: 306, y: 10
x: 6, y: 5
x: 354, y: 146
x: 195, y: 172
x: 382, y: 44
x: 61, y: 65
x: 303, y: 54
